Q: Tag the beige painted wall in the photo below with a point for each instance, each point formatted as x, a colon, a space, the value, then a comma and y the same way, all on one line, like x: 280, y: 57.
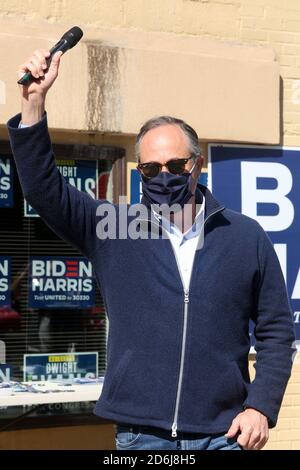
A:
x: 224, y: 27
x: 271, y: 23
x: 112, y: 81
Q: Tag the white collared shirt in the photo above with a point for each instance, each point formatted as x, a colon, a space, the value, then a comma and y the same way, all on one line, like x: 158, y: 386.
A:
x: 185, y: 244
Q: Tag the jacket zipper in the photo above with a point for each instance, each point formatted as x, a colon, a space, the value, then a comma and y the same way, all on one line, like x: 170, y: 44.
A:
x: 183, y: 346
x: 185, y: 319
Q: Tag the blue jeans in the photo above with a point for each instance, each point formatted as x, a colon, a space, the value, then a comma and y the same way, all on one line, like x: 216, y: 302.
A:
x: 136, y: 437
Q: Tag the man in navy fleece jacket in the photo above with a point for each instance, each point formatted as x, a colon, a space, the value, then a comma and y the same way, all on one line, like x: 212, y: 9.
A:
x: 179, y: 303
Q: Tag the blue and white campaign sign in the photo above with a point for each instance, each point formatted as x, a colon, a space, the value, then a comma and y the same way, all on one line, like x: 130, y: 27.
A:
x: 75, y: 365
x: 6, y: 372
x: 264, y: 183
x: 136, y: 185
x: 6, y: 182
x: 5, y: 270
x: 83, y: 174
x: 61, y: 282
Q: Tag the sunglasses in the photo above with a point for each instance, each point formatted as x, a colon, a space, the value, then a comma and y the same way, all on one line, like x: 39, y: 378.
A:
x: 176, y: 166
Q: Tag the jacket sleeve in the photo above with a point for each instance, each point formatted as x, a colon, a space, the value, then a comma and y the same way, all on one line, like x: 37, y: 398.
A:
x: 70, y: 213
x: 274, y: 334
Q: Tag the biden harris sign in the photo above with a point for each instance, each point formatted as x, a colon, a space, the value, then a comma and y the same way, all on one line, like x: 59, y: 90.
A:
x: 264, y: 183
x: 61, y: 283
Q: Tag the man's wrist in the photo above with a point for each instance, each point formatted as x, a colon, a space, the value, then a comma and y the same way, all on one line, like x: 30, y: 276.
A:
x: 33, y: 110
x: 249, y: 408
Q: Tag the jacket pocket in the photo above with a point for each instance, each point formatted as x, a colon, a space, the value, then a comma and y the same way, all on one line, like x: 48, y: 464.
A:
x: 119, y: 374
x: 230, y: 388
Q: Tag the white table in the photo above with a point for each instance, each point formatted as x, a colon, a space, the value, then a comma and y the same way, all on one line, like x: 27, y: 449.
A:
x: 67, y: 393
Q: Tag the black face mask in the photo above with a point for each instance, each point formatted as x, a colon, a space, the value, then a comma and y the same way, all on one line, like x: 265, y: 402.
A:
x: 169, y: 189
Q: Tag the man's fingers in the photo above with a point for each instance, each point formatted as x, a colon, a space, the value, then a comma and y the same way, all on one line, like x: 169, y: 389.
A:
x: 244, y: 437
x: 31, y: 67
x: 41, y: 57
x: 38, y: 65
x: 254, y: 429
x: 22, y: 70
x: 234, y: 429
x: 254, y: 440
x: 261, y: 443
x: 46, y: 52
x: 55, y: 62
x: 44, y: 70
x: 54, y: 65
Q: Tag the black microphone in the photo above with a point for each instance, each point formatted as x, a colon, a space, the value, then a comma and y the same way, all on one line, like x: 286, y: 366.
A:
x: 68, y: 40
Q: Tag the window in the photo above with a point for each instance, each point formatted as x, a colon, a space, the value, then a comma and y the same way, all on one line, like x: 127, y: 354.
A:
x: 35, y: 325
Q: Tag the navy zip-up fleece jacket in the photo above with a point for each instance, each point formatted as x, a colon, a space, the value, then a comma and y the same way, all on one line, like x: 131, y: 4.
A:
x: 175, y: 359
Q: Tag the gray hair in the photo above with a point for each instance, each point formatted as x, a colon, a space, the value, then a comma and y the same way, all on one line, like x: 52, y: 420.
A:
x: 169, y: 120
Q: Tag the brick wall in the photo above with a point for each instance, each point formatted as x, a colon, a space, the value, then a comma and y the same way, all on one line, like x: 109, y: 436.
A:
x: 286, y: 435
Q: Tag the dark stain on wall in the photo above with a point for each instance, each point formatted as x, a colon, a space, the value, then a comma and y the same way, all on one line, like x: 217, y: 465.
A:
x: 103, y: 108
